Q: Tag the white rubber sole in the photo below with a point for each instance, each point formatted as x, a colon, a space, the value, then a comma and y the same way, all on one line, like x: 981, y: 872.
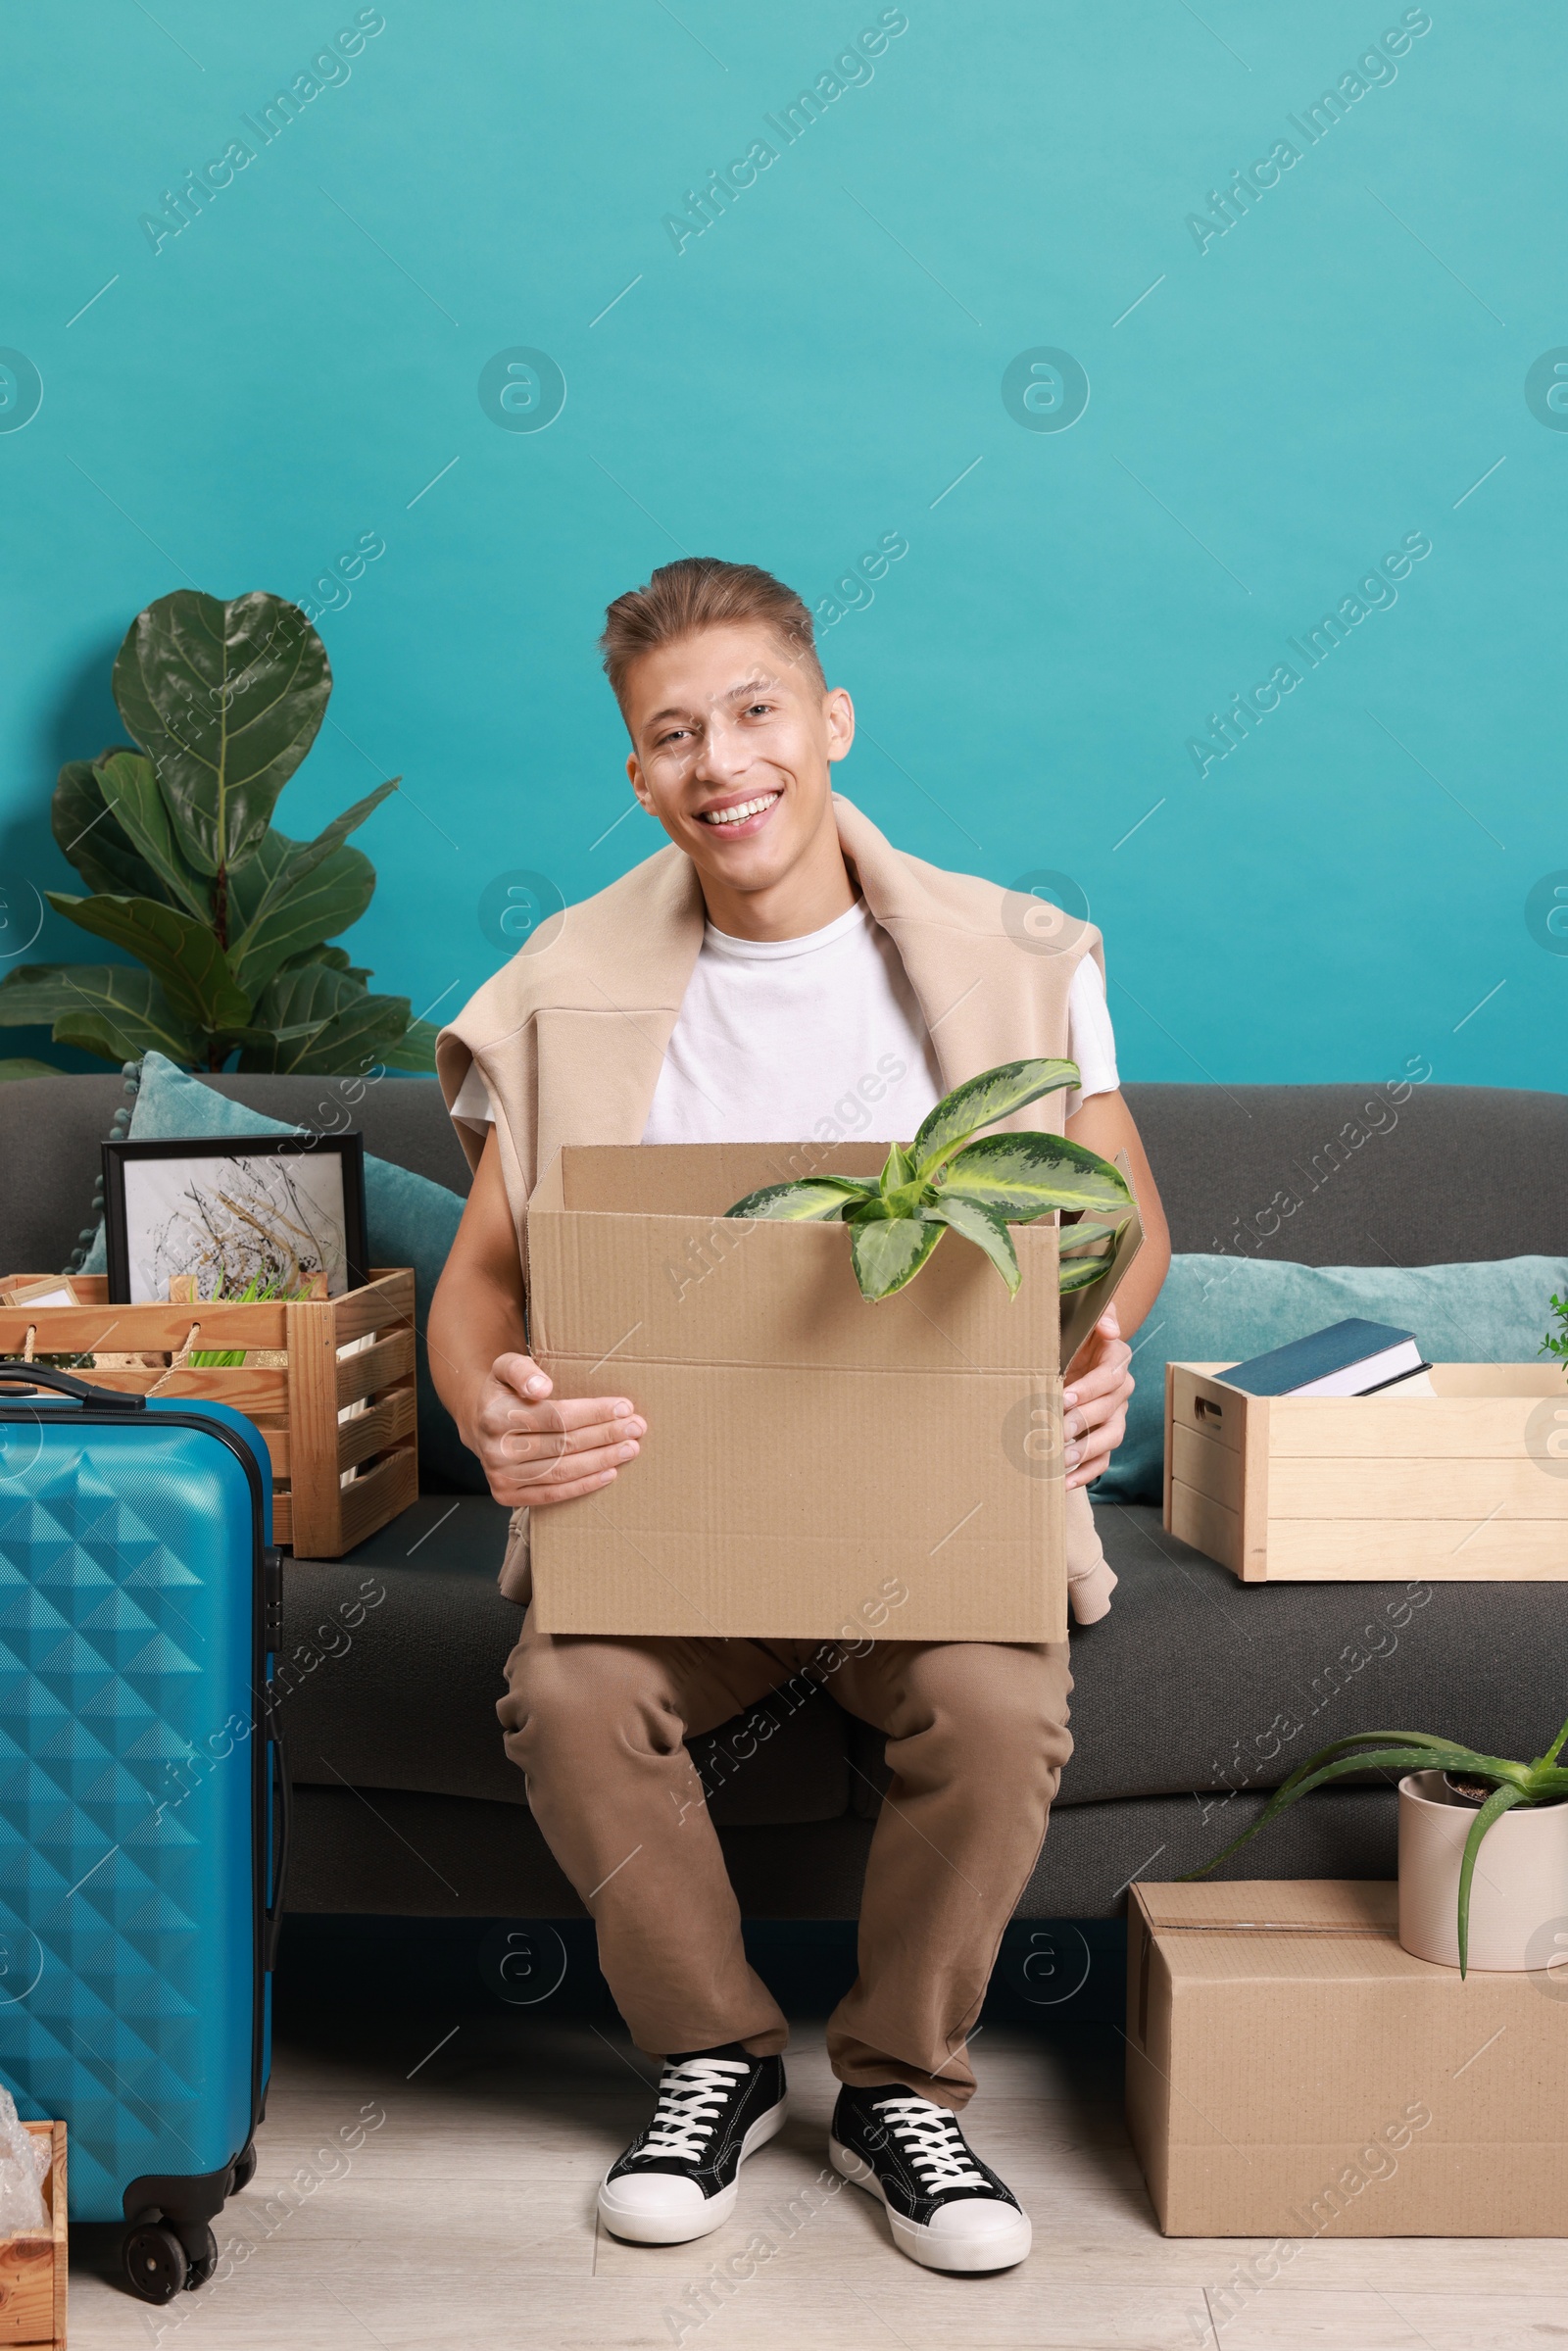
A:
x: 1002, y: 2251
x: 679, y: 2229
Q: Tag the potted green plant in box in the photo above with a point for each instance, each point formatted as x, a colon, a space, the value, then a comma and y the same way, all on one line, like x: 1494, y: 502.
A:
x: 947, y: 1181
x: 1453, y: 1804
x: 229, y: 920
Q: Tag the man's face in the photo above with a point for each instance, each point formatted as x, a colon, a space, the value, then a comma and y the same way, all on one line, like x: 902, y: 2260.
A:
x: 732, y: 739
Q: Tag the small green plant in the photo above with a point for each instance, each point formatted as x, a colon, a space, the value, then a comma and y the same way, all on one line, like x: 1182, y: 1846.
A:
x: 228, y: 918
x: 945, y: 1181
x: 1555, y: 1343
x: 227, y: 1358
x: 1500, y: 1785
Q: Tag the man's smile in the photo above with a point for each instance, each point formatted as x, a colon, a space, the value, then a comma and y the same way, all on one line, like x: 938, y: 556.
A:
x: 740, y: 815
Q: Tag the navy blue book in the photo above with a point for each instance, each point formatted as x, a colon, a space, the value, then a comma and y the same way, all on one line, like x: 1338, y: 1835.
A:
x: 1349, y: 1358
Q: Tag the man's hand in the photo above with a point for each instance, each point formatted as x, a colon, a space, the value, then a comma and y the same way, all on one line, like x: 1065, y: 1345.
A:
x: 535, y: 1451
x: 1094, y: 1399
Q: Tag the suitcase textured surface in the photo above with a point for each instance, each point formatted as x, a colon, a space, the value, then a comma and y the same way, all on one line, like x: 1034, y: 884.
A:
x: 135, y: 1812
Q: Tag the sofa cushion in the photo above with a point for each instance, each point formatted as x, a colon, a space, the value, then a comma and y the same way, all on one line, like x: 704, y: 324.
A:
x: 1227, y: 1309
x: 393, y: 1658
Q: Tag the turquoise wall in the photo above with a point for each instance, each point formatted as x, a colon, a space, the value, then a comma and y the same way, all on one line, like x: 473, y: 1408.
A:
x: 843, y: 356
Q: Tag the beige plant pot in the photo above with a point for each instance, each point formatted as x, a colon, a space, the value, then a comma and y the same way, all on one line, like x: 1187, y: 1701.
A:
x: 1519, y: 1889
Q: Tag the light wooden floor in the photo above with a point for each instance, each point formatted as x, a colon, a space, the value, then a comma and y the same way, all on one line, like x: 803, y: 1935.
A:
x: 466, y: 2220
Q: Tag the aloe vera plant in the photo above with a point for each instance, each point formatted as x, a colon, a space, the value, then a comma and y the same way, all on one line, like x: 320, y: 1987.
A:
x: 947, y: 1181
x: 1543, y: 1781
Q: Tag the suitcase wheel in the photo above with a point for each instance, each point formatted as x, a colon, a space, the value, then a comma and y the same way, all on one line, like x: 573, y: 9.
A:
x: 244, y: 2168
x: 156, y: 2267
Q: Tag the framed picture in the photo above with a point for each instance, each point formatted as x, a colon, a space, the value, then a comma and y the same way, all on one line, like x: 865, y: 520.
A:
x: 43, y: 1289
x: 226, y: 1213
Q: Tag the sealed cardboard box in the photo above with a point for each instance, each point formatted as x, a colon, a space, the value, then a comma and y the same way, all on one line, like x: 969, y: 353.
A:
x: 813, y: 1462
x: 1469, y: 1484
x: 1294, y: 2073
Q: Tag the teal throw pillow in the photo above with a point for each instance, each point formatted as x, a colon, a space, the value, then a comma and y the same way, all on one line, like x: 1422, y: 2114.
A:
x: 1226, y: 1309
x: 411, y: 1222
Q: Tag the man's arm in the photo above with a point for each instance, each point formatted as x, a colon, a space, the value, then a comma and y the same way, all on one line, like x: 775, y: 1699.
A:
x: 1105, y: 1124
x: 1098, y: 1382
x: 531, y: 1450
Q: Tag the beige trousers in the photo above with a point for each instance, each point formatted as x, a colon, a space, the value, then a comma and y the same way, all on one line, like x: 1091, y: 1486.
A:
x: 976, y: 1740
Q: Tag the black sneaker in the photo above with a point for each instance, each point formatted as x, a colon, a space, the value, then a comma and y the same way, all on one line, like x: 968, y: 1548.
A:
x: 947, y: 2210
x: 679, y: 2178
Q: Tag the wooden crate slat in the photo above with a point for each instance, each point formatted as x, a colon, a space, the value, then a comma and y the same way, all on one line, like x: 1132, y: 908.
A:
x: 313, y: 1403
x: 1433, y: 1429
x: 1435, y: 1551
x: 282, y: 1518
x: 369, y: 1501
x: 74, y: 1330
x: 391, y: 1359
x: 385, y: 1300
x: 1214, y: 1469
x: 390, y: 1418
x: 1199, y: 1519
x: 1463, y: 1489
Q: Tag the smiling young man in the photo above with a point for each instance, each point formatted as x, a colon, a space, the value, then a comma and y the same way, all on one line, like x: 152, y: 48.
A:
x: 760, y: 980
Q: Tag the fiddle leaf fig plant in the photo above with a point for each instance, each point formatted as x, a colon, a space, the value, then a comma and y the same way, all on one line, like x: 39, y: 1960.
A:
x: 1497, y: 1785
x: 951, y: 1178
x: 228, y: 919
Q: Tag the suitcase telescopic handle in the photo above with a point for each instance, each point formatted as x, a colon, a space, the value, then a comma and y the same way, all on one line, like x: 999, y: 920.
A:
x: 13, y: 1373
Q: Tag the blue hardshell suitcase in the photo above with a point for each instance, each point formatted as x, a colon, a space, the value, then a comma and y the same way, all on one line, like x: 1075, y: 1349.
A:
x: 143, y: 1799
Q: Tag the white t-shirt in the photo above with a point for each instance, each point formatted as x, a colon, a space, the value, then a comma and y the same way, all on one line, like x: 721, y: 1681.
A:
x: 815, y: 1039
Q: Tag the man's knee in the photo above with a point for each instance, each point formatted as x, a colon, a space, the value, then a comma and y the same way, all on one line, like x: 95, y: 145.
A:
x: 1004, y: 1709
x: 572, y: 1697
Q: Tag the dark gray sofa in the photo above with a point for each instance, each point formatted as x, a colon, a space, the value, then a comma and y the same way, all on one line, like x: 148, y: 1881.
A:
x: 407, y: 1805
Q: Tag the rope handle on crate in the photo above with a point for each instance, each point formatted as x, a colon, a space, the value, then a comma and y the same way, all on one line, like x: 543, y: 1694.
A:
x: 180, y: 1358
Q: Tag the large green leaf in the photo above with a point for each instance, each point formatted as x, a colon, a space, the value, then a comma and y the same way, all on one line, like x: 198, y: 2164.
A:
x: 89, y: 835
x: 890, y: 1251
x: 337, y: 959
x: 982, y: 1226
x: 1024, y: 1176
x: 23, y: 1066
x: 980, y: 1101
x: 180, y: 953
x: 1080, y: 1273
x: 116, y: 1010
x: 815, y: 1200
x: 290, y: 929
x: 279, y: 912
x: 130, y: 790
x: 322, y: 1021
x: 225, y: 700
x: 1502, y: 1799
x: 416, y: 1050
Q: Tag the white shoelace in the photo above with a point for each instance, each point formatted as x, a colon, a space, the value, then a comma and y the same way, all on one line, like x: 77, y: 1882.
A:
x: 692, y: 2095
x: 934, y: 2143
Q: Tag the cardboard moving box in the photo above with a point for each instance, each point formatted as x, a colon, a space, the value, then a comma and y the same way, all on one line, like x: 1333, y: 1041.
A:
x: 814, y: 1464
x: 1294, y: 2073
x: 1469, y: 1485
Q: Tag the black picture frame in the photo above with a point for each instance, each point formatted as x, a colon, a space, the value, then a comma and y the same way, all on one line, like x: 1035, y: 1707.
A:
x: 122, y: 1212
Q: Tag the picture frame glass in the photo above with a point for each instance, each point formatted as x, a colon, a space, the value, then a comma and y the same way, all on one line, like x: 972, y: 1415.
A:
x: 243, y: 1214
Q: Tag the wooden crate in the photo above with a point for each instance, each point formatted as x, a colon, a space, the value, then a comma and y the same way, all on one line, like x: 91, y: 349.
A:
x: 1460, y: 1487
x: 296, y: 1405
x: 33, y: 2266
